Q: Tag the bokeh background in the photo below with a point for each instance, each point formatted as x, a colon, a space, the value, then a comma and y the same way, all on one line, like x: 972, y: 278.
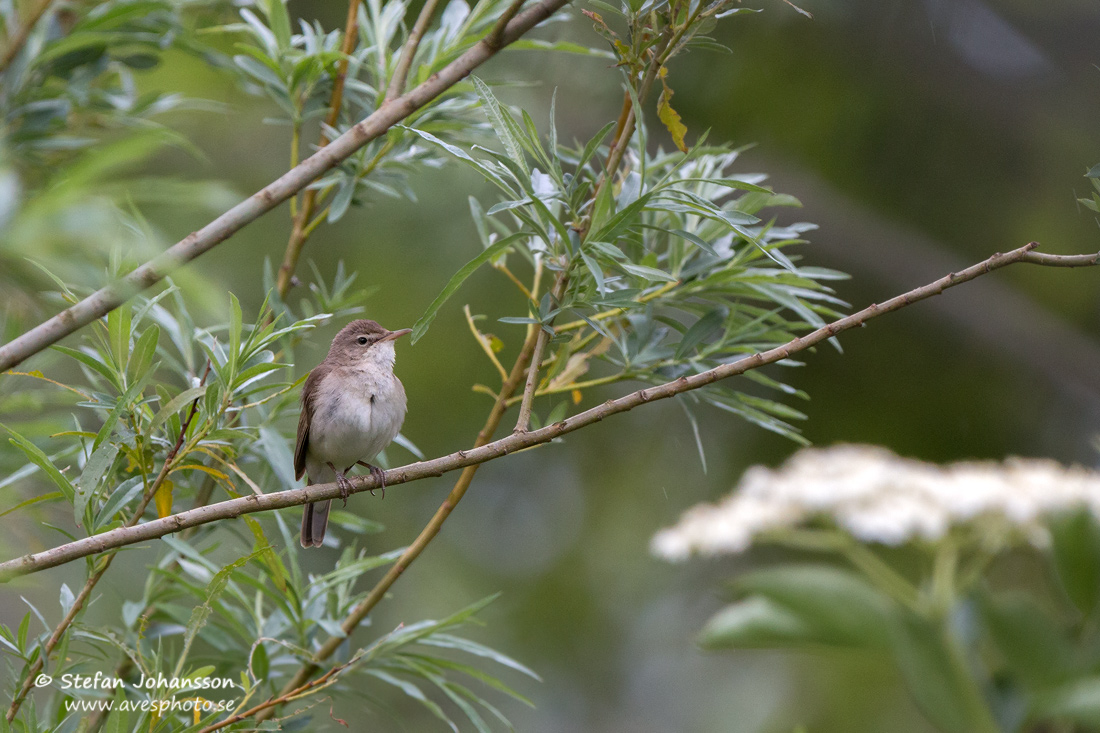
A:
x: 921, y: 135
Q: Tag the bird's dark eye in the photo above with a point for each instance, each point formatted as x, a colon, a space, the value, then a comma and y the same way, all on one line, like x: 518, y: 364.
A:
x: 362, y: 340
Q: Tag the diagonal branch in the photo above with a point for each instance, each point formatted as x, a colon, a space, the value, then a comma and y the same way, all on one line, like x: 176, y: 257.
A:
x: 195, y: 244
x: 408, y: 51
x: 300, y: 231
x: 517, y: 441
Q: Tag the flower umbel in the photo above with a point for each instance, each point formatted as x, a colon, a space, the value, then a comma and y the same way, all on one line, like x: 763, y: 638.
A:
x: 879, y: 497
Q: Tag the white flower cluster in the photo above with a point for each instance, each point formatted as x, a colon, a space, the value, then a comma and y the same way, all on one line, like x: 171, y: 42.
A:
x: 877, y: 496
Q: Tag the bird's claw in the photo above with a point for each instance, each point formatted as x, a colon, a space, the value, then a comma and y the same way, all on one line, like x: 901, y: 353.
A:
x: 345, y: 487
x: 343, y: 483
x: 378, y: 475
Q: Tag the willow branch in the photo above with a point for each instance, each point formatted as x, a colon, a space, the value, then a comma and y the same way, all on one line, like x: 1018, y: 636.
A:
x: 524, y: 419
x: 82, y: 597
x: 23, y: 33
x: 408, y: 51
x: 517, y: 441
x: 285, y: 696
x: 628, y: 118
x: 195, y: 244
x: 299, y: 231
x: 497, y: 34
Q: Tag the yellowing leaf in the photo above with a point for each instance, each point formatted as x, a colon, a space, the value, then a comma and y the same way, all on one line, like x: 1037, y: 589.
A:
x: 263, y: 549
x: 495, y: 343
x: 669, y: 116
x: 163, y: 498
x: 205, y: 469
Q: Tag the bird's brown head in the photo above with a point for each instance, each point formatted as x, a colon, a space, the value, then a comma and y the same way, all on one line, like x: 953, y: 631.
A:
x: 362, y: 338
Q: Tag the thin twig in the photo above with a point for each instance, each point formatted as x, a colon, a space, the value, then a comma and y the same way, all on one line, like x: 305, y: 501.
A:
x: 438, y: 466
x: 82, y: 597
x: 24, y: 32
x: 495, y: 35
x: 408, y: 51
x: 279, y: 699
x: 581, y: 323
x: 484, y: 343
x: 628, y: 123
x: 515, y: 281
x: 298, y: 232
x: 524, y: 419
x: 195, y: 244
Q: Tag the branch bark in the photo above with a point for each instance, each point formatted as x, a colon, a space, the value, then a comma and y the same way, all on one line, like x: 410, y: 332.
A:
x: 195, y: 244
x: 299, y: 232
x: 408, y: 51
x: 517, y: 441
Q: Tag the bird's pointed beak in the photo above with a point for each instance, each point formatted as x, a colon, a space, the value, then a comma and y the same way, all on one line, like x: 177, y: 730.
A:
x: 394, y: 335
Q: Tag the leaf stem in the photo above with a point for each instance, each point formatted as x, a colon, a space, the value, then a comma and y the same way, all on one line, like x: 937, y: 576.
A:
x: 482, y: 341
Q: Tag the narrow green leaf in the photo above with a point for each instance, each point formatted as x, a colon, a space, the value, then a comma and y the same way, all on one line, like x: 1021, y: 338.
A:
x: 94, y: 470
x: 649, y: 273
x: 40, y: 459
x: 421, y: 326
x: 118, y: 332
x: 267, y: 554
x: 415, y: 693
x: 121, y: 497
x: 592, y: 145
x: 92, y: 363
x: 144, y: 351
x: 497, y: 114
x: 701, y: 330
x: 175, y: 404
x: 280, y: 22
x: 342, y: 200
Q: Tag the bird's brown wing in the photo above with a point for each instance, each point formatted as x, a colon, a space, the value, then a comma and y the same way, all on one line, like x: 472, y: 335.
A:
x: 308, y: 398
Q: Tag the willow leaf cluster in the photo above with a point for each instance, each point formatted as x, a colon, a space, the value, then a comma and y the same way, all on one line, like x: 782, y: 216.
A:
x: 671, y: 270
x: 168, y: 415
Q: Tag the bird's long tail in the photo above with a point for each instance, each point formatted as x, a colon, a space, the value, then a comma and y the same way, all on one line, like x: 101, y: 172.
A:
x: 314, y: 522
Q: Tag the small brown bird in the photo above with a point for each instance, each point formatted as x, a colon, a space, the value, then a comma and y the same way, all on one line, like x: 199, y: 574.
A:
x: 353, y: 406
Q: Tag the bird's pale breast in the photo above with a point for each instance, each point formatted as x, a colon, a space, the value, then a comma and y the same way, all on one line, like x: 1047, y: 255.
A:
x: 355, y: 416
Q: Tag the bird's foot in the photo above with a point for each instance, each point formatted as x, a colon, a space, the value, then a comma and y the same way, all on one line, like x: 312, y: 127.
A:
x: 342, y: 482
x: 378, y: 475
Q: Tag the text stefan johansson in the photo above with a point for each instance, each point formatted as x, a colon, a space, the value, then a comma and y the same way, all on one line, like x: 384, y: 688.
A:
x: 100, y: 681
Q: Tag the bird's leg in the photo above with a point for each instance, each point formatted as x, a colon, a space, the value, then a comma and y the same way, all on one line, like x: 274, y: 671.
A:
x: 341, y: 481
x: 378, y: 475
